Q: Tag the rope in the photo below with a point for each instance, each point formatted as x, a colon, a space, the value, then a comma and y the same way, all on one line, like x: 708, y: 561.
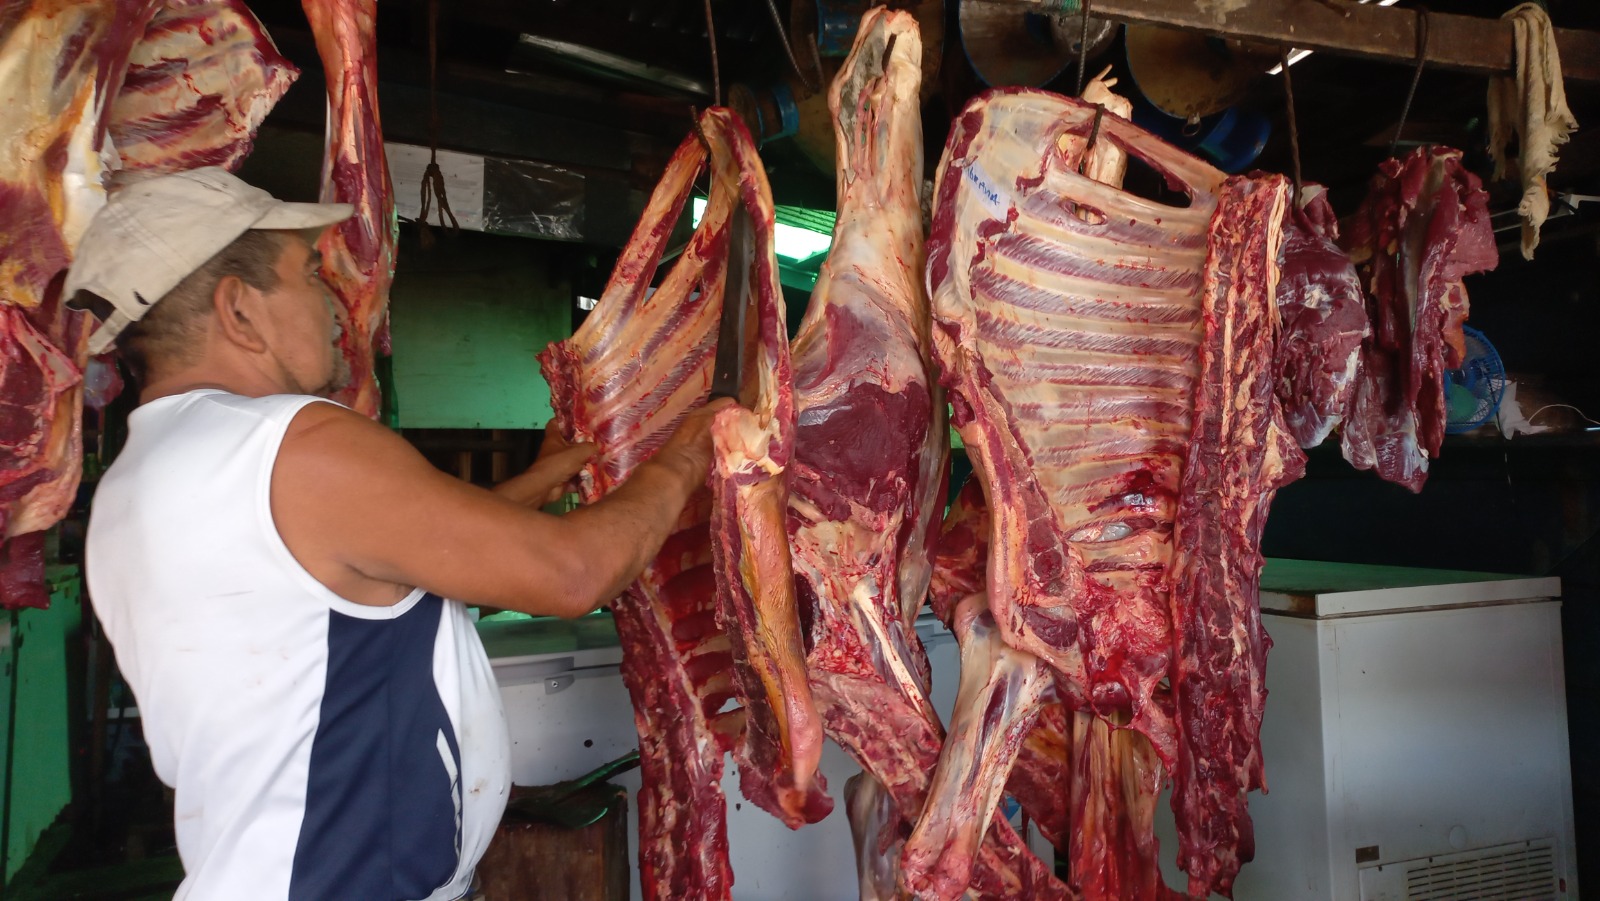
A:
x: 1294, y: 127
x: 1083, y: 44
x: 1416, y: 77
x: 716, y: 72
x: 433, y: 177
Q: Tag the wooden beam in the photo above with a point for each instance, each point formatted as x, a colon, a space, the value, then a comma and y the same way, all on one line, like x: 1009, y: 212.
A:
x: 1464, y: 43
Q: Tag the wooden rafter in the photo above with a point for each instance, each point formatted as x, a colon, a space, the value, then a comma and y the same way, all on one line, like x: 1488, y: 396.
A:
x: 1466, y: 43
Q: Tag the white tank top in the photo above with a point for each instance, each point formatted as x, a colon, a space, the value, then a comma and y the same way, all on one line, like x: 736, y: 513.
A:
x: 319, y: 749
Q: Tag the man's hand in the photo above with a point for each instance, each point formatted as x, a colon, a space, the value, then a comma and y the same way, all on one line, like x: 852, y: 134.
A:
x: 690, y: 445
x: 552, y: 472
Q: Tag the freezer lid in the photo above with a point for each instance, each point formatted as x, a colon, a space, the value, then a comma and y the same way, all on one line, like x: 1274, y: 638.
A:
x: 1317, y: 589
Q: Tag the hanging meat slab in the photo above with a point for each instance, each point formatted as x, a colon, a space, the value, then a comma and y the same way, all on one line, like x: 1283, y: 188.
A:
x: 1423, y: 227
x: 641, y: 360
x: 357, y: 254
x: 1324, y: 318
x: 1239, y: 454
x: 175, y: 82
x: 62, y: 65
x: 199, y: 84
x: 870, y: 458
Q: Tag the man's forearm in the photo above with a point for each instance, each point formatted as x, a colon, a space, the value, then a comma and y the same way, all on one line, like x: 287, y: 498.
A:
x: 627, y: 527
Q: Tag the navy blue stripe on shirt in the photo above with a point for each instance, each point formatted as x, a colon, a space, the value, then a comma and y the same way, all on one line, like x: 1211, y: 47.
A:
x: 382, y: 800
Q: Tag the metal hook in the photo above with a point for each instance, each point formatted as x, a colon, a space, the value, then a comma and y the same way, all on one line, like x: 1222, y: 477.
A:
x: 1294, y: 128
x: 1416, y: 78
x: 716, y: 73
x: 1083, y: 45
x: 1094, y: 136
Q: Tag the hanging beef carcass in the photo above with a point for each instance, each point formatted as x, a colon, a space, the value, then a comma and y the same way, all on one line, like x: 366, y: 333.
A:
x: 1423, y: 227
x: 1024, y: 739
x: 868, y: 478
x: 1103, y: 351
x: 357, y: 254
x: 636, y: 365
x: 69, y: 75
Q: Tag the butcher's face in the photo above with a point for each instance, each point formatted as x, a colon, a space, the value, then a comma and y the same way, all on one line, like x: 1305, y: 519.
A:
x: 307, y: 322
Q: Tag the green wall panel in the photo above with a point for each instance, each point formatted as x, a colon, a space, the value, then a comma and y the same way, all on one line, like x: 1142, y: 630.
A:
x: 34, y: 652
x: 468, y: 320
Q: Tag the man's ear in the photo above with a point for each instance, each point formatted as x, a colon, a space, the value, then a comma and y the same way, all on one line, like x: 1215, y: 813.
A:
x: 239, y: 313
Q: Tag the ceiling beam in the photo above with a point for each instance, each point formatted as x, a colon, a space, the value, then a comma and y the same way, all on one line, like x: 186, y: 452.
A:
x: 1465, y: 43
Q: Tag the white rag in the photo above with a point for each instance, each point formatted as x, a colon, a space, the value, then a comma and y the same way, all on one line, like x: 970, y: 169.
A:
x: 1533, y: 105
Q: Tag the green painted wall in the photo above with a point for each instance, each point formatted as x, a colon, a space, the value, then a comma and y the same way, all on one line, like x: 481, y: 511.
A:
x: 468, y: 319
x: 33, y: 651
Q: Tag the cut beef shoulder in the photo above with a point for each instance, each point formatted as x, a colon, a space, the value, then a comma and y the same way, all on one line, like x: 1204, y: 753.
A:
x: 357, y: 254
x: 639, y: 362
x: 1423, y: 227
x: 1324, y: 318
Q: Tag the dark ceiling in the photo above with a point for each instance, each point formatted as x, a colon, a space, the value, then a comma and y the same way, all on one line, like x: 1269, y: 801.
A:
x: 499, y: 97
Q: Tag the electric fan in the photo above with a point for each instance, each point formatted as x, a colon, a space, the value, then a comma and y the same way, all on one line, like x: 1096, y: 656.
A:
x: 1472, y: 392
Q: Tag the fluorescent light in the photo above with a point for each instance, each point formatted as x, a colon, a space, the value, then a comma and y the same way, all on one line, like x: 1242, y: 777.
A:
x: 587, y: 303
x: 1298, y: 55
x: 790, y: 242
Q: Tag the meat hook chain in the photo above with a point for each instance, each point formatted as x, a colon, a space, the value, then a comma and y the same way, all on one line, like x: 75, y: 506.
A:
x: 788, y: 49
x: 1083, y: 46
x: 1416, y: 77
x: 1294, y: 127
x: 433, y: 177
x: 716, y: 73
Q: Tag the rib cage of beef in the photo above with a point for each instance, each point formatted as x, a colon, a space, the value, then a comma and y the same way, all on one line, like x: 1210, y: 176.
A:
x: 358, y: 253
x: 1103, y: 351
x: 639, y: 362
x: 80, y: 78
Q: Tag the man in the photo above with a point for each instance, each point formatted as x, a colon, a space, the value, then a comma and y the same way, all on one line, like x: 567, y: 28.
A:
x: 272, y: 569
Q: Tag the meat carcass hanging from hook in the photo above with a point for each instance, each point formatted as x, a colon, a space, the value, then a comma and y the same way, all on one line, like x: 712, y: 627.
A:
x: 641, y: 360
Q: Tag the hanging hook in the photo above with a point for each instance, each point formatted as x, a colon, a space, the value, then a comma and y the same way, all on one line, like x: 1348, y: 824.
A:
x: 788, y: 49
x: 1083, y: 44
x: 716, y: 73
x: 1416, y: 78
x: 1094, y: 137
x: 1294, y: 128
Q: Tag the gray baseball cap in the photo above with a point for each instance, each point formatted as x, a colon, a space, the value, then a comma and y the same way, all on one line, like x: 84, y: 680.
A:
x: 152, y: 234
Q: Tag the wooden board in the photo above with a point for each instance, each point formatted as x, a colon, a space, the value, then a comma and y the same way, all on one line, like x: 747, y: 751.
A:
x: 1467, y: 43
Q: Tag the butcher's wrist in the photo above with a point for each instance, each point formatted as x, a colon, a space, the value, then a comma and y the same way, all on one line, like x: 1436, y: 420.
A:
x: 682, y: 467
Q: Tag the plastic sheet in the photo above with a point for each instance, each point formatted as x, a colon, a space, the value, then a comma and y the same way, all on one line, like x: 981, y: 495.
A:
x: 535, y: 199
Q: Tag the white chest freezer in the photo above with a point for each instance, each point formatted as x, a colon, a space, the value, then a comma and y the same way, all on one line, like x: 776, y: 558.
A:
x: 1415, y: 739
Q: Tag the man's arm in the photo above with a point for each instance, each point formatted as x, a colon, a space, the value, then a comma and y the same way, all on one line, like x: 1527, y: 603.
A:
x: 367, y: 516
